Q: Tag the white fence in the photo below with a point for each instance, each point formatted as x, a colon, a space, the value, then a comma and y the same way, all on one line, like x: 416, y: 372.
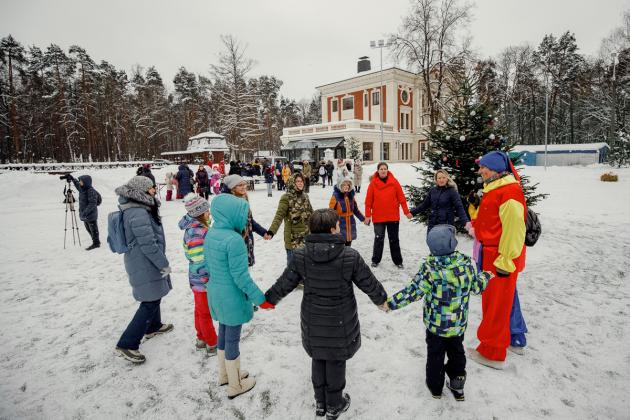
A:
x: 69, y: 167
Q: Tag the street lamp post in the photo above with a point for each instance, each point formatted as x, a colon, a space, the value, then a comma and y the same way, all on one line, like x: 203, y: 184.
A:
x: 546, y: 116
x: 380, y: 44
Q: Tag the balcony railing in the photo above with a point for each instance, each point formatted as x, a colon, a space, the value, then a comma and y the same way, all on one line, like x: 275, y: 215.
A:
x: 336, y: 126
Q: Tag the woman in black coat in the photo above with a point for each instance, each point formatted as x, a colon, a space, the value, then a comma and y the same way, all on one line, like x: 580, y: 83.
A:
x: 329, y: 319
x: 203, y: 182
x: 443, y: 203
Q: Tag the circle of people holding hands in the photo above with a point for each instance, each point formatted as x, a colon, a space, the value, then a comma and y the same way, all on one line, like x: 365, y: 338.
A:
x: 218, y: 241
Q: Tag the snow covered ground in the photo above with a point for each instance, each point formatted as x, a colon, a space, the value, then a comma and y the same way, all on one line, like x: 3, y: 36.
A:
x: 63, y: 311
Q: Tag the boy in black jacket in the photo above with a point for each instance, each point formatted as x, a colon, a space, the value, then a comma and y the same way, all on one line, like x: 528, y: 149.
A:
x: 329, y: 318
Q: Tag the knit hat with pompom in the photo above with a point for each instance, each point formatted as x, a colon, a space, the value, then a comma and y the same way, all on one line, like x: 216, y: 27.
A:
x: 195, y: 205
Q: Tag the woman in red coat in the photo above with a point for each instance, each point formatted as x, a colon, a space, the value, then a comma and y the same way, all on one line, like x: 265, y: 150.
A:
x: 384, y: 198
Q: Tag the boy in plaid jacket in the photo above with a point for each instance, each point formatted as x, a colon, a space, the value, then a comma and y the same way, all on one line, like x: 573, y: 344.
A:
x: 446, y: 277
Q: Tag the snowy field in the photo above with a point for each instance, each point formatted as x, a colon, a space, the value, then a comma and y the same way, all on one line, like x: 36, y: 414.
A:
x: 63, y: 311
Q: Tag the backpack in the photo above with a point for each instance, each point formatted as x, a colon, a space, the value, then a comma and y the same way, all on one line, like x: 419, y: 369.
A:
x: 533, y: 229
x: 99, y: 199
x: 322, y: 171
x: 116, y: 232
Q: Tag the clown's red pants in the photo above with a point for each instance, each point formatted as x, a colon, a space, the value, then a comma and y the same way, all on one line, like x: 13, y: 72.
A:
x: 496, y: 305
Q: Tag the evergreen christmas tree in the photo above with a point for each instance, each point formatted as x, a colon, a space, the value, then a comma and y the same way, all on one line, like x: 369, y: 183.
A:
x: 469, y: 132
x: 619, y: 154
x: 353, y: 147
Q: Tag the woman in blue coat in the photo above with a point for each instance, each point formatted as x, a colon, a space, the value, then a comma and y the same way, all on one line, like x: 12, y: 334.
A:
x: 145, y: 263
x: 232, y: 292
x: 443, y: 203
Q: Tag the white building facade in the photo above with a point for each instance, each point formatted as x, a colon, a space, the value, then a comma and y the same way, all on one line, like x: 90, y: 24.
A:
x: 355, y: 108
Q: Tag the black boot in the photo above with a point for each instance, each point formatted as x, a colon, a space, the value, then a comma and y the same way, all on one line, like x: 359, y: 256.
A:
x: 320, y: 409
x: 456, y: 385
x: 93, y: 246
x: 332, y: 413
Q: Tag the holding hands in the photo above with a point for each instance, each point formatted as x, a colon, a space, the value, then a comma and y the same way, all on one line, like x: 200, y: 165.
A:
x: 267, y: 305
x: 384, y: 307
x: 470, y: 229
x: 367, y: 221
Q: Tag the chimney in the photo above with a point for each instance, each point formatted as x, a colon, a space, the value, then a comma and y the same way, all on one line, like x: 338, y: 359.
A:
x: 363, y: 64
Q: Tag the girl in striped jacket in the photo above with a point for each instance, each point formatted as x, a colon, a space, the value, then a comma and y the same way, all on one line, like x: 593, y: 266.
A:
x: 195, y: 226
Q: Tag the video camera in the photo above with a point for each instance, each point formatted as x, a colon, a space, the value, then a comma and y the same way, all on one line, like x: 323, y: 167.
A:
x: 67, y: 177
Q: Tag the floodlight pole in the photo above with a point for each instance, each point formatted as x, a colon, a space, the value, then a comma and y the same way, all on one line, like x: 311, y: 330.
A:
x: 380, y: 44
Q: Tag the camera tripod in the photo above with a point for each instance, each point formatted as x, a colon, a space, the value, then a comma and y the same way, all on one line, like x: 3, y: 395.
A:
x: 69, y: 201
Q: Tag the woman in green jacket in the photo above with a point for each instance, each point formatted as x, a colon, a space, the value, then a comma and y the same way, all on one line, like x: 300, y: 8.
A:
x: 232, y: 293
x: 295, y: 210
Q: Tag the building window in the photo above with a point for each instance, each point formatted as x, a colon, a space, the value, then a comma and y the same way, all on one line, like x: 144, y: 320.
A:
x: 422, y: 149
x: 404, y: 121
x: 347, y: 103
x: 333, y: 105
x: 365, y: 99
x: 406, y: 147
x: 376, y: 98
x: 385, y: 151
x: 368, y: 151
x: 404, y: 97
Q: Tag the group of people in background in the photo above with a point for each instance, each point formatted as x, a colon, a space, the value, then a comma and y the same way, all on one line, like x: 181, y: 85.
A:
x: 218, y: 242
x: 204, y: 182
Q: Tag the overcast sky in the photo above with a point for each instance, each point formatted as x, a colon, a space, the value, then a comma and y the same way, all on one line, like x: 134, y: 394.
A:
x: 305, y: 43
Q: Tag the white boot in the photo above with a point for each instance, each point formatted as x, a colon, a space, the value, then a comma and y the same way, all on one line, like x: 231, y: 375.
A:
x: 236, y: 385
x: 223, y: 377
x: 482, y: 360
x: 517, y: 350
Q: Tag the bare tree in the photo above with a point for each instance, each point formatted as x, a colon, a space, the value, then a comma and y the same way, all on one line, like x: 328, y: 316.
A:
x: 236, y: 98
x: 428, y: 41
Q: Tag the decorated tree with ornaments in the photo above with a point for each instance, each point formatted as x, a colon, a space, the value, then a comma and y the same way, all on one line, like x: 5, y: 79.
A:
x: 470, y: 131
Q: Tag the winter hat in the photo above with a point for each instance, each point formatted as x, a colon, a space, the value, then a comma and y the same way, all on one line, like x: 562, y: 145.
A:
x: 232, y: 181
x: 441, y: 240
x: 195, y: 205
x: 344, y: 181
x: 495, y: 161
x: 140, y: 183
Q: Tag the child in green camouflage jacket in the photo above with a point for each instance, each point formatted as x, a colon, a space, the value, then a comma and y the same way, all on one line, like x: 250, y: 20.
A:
x: 446, y: 277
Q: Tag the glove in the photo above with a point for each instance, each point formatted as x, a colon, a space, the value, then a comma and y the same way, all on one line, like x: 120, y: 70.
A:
x: 165, y: 271
x: 267, y: 305
x: 470, y: 229
x: 501, y: 273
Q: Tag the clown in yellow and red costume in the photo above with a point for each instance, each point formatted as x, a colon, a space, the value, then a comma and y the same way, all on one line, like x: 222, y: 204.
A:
x: 500, y: 227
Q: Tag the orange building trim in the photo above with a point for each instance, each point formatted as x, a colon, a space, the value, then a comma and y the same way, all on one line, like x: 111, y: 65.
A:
x: 358, y: 104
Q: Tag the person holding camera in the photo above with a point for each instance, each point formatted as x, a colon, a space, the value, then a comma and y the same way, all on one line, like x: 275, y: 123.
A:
x: 89, y: 200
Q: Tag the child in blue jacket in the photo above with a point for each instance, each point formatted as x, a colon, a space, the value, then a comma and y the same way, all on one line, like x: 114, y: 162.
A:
x: 447, y: 278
